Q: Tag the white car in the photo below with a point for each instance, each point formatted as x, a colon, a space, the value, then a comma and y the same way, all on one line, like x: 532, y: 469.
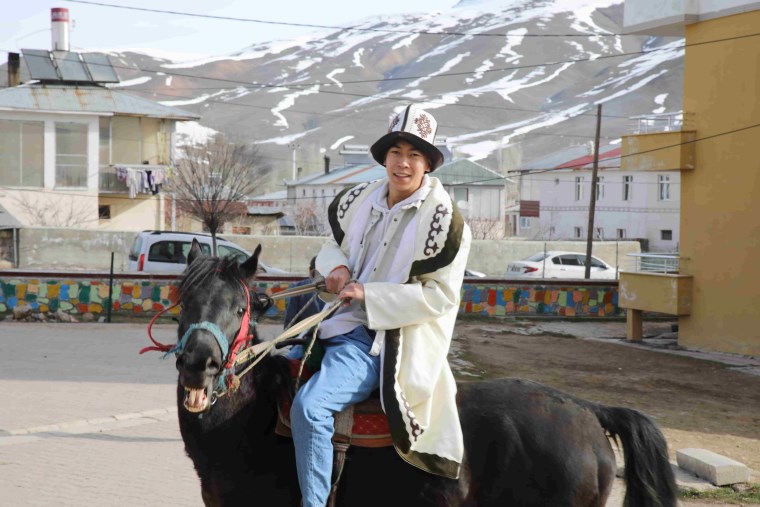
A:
x: 557, y: 264
x: 166, y: 252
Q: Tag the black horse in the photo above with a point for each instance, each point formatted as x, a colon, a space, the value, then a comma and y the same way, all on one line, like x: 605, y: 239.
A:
x: 525, y: 444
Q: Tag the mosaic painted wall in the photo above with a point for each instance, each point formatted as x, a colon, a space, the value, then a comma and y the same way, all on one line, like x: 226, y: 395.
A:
x: 141, y: 296
x: 555, y: 300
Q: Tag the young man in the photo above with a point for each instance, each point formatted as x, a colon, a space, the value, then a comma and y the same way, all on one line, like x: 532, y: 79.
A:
x: 397, y: 254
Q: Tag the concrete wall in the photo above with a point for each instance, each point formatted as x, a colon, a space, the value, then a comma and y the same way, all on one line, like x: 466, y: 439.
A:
x: 81, y: 249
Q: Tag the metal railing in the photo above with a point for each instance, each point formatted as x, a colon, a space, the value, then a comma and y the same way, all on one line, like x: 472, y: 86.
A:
x: 665, y: 122
x: 668, y: 263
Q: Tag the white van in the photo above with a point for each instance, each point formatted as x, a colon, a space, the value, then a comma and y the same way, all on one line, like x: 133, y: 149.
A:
x: 166, y: 252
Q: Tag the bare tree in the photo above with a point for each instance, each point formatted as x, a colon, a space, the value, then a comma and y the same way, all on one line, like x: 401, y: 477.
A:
x: 213, y: 180
x: 486, y: 229
x: 310, y: 218
x: 44, y: 211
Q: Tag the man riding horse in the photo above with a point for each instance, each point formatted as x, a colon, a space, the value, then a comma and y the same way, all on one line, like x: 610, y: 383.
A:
x: 397, y: 257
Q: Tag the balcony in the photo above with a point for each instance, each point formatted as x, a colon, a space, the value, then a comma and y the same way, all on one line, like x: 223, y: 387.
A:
x: 109, y: 183
x: 660, y: 142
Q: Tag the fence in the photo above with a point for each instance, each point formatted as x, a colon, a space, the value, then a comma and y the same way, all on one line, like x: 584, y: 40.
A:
x: 78, y: 293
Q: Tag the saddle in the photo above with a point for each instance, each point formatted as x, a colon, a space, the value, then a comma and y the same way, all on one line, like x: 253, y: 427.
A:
x: 366, y: 424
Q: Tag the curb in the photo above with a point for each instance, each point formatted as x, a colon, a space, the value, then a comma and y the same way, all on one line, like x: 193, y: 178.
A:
x: 82, y: 425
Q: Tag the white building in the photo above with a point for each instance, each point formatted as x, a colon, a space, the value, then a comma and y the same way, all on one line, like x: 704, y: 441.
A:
x: 555, y: 197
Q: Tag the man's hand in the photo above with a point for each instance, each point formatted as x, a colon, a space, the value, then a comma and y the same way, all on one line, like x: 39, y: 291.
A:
x: 337, y: 279
x: 352, y: 292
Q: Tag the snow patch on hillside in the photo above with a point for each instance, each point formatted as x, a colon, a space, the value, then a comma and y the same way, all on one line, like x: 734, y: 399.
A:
x: 358, y: 57
x: 289, y: 101
x: 131, y: 82
x: 192, y: 132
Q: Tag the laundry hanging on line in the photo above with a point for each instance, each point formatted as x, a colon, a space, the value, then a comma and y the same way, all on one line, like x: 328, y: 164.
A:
x: 142, y: 181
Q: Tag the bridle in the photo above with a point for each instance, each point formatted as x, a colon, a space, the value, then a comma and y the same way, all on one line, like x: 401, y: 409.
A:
x: 227, y: 380
x: 237, y: 353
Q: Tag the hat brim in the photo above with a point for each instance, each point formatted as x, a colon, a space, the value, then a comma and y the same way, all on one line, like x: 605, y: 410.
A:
x: 382, y: 145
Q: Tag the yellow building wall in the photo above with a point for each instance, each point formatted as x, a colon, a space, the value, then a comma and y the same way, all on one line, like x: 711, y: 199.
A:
x: 138, y: 214
x: 720, y: 199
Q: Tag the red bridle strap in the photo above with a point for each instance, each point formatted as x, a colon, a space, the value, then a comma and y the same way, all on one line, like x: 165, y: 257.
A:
x: 158, y: 346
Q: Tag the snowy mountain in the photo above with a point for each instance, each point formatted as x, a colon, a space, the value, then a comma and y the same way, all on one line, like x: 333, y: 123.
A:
x: 508, y: 81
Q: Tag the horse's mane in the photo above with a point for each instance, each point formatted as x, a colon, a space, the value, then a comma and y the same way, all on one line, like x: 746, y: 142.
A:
x: 202, y: 268
x: 226, y: 268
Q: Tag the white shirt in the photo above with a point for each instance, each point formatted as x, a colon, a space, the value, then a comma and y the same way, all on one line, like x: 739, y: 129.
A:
x: 367, y: 264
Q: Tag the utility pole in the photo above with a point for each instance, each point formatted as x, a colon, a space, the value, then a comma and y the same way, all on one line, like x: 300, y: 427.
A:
x: 294, y: 147
x: 592, y: 202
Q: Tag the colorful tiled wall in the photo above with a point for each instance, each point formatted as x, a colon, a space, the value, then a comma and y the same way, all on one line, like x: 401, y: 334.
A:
x: 534, y: 299
x: 137, y: 296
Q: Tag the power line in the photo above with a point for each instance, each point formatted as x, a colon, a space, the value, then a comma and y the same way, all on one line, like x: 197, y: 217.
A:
x: 374, y: 120
x: 341, y: 28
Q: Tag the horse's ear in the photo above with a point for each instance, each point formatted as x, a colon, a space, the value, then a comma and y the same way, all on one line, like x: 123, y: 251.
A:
x: 249, y: 267
x: 195, y: 252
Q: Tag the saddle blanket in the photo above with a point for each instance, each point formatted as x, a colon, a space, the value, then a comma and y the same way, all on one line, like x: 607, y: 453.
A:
x: 370, y: 427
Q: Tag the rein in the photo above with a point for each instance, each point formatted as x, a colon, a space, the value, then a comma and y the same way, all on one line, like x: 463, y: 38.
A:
x: 236, y: 354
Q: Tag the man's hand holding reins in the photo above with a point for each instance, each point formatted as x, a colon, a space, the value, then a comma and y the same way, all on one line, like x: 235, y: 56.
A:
x: 337, y: 279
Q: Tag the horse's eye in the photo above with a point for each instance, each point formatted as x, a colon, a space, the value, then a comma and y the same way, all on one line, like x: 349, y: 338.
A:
x: 241, y: 312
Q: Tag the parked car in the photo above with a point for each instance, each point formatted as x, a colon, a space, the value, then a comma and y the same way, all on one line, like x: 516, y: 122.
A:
x: 166, y: 252
x: 556, y: 264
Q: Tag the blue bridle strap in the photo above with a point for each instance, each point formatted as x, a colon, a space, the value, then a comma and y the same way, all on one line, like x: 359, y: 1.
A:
x: 212, y: 328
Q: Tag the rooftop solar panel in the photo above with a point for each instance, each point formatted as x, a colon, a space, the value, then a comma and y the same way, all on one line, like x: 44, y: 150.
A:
x: 40, y: 65
x: 71, y: 67
x: 100, y: 68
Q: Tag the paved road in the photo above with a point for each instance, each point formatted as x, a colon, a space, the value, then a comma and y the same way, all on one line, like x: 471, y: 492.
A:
x: 86, y: 421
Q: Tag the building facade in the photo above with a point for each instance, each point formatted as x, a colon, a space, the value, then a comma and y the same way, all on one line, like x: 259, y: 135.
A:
x: 629, y: 205
x: 76, y: 153
x: 716, y: 291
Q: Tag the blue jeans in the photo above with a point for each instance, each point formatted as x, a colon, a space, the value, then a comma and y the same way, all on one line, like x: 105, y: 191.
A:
x: 347, y: 376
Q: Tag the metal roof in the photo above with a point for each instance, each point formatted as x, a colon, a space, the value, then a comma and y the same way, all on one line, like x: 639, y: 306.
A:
x: 8, y: 221
x: 456, y: 172
x: 575, y: 157
x: 85, y: 99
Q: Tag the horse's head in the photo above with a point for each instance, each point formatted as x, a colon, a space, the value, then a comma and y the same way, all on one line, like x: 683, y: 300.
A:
x: 217, y: 318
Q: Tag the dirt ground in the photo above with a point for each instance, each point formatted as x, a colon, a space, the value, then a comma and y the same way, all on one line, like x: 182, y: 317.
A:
x: 697, y: 403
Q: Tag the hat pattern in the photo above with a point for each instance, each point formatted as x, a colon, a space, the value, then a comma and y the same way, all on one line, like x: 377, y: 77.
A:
x: 423, y: 125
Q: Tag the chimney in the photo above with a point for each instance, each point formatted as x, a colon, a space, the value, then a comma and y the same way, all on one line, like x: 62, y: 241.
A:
x: 59, y: 24
x: 14, y: 63
x: 327, y: 164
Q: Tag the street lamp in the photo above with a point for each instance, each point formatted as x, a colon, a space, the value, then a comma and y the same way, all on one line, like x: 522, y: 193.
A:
x: 294, y: 147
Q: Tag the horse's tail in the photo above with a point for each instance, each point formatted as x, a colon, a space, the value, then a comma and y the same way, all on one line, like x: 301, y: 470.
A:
x: 648, y: 475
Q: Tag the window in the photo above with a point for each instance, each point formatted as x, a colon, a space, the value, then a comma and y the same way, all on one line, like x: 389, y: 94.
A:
x: 168, y: 251
x: 105, y: 142
x: 578, y: 188
x: 620, y: 234
x: 598, y: 232
x: 663, y: 187
x: 71, y: 154
x: 577, y: 232
x: 228, y: 251
x: 21, y: 153
x: 627, y: 188
x: 666, y: 235
x: 104, y: 212
x: 461, y: 194
x: 599, y: 188
x: 524, y: 222
x: 126, y: 140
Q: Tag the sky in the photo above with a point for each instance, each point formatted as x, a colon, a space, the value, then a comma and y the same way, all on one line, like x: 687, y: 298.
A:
x: 26, y: 23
